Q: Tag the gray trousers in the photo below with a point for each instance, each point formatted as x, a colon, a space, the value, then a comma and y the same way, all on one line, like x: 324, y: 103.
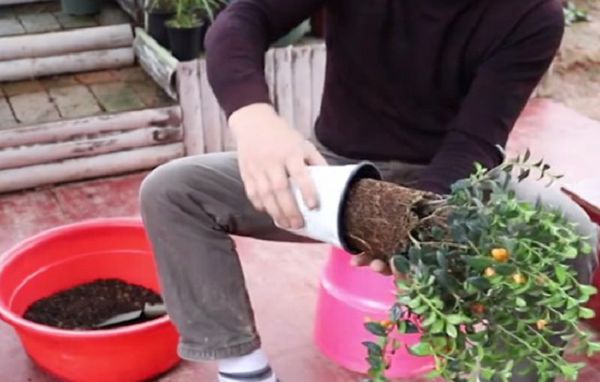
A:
x: 191, y: 206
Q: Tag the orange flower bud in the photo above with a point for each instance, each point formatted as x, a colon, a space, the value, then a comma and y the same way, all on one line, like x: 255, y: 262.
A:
x: 478, y: 308
x: 541, y: 324
x: 501, y: 255
x: 519, y: 278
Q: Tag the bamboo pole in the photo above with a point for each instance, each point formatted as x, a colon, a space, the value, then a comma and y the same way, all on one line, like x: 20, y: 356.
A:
x: 15, y: 70
x: 40, y: 154
x: 65, y: 42
x: 64, y: 130
x: 87, y: 168
x: 189, y: 94
x: 211, y: 112
x: 156, y: 61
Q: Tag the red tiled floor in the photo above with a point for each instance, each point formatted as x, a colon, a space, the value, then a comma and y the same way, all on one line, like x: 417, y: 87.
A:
x: 568, y: 141
x: 287, y: 325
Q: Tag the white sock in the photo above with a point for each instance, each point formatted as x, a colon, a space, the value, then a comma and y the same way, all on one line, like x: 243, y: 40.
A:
x: 252, y: 367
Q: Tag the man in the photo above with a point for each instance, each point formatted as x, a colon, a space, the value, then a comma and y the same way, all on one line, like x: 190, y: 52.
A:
x: 422, y: 88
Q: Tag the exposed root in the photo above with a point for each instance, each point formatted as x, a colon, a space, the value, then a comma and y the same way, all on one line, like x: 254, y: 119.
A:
x: 380, y: 216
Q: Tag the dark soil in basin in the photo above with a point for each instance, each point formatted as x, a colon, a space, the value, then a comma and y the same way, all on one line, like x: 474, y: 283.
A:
x: 87, y: 306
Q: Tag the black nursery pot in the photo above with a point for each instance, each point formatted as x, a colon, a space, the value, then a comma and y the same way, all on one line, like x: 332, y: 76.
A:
x: 156, y: 27
x: 186, y: 43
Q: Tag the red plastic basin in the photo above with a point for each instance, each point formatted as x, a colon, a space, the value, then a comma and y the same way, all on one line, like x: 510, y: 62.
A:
x: 71, y: 255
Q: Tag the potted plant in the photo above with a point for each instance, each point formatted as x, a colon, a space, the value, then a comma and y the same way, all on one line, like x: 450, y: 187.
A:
x: 81, y: 7
x: 485, y: 272
x: 186, y: 29
x: 158, y: 12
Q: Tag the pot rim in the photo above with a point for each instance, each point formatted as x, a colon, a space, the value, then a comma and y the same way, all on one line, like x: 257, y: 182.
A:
x: 20, y: 324
x: 363, y: 170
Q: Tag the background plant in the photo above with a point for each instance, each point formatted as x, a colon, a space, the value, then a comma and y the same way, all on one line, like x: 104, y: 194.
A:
x: 161, y: 5
x: 574, y: 14
x: 190, y: 13
x: 491, y: 284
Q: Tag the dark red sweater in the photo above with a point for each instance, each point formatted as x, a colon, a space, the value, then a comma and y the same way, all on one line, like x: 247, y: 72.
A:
x: 438, y: 82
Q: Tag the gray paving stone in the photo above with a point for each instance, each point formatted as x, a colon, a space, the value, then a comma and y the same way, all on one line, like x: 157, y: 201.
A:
x: 21, y: 87
x: 39, y: 22
x: 75, y: 101
x: 34, y: 108
x: 10, y: 27
x: 112, y: 14
x: 116, y: 97
x: 7, y: 119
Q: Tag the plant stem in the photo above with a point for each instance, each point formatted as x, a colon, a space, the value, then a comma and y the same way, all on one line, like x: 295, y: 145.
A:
x: 526, y: 344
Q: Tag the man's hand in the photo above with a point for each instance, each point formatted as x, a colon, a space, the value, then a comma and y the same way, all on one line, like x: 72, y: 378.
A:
x: 379, y: 266
x: 270, y: 154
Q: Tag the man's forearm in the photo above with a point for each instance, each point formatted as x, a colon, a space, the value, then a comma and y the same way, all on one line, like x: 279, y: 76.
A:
x: 236, y: 45
x: 456, y: 160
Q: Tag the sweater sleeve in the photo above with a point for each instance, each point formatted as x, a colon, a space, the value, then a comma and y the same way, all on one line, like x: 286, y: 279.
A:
x: 502, y: 86
x: 236, y: 45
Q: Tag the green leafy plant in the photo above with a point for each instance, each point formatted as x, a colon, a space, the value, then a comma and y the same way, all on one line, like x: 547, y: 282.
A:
x: 191, y: 13
x: 161, y: 5
x: 490, y: 282
x: 573, y: 14
x: 209, y: 8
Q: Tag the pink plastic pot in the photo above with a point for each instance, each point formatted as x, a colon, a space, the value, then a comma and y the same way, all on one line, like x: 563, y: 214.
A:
x: 65, y: 257
x: 348, y: 295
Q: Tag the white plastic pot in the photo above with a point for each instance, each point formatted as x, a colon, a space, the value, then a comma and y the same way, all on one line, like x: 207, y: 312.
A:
x: 332, y: 184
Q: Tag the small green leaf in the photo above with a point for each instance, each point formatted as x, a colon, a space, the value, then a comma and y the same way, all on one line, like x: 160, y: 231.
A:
x: 401, y: 264
x: 396, y: 312
x: 414, y: 254
x: 593, y: 347
x: 433, y: 374
x: 479, y: 282
x: 571, y: 303
x: 520, y: 302
x: 561, y: 273
x: 505, y: 269
x: 458, y: 233
x: 421, y: 349
x: 569, y: 372
x: 488, y: 374
x: 429, y: 320
x: 437, y: 327
x: 586, y: 313
x: 376, y: 329
x: 373, y: 349
x: 414, y: 303
x: 586, y: 248
x: 420, y: 310
x: 442, y: 260
x: 404, y: 300
x: 402, y: 327
x: 411, y: 328
x: 523, y: 174
x: 570, y: 252
x: 454, y: 319
x: 479, y: 263
x: 437, y: 233
x: 588, y: 290
x: 451, y: 331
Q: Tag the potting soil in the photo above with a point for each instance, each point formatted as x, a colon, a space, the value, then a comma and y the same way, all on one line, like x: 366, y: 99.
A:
x: 88, y: 305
